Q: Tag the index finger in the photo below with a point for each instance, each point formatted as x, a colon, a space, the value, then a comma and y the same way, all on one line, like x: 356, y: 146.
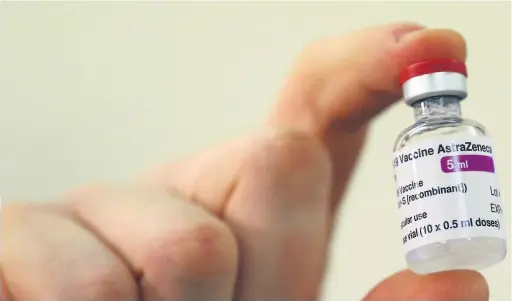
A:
x: 349, y: 79
x: 337, y: 85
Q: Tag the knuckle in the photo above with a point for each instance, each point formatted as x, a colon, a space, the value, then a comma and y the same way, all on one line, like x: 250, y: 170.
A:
x: 290, y: 153
x: 315, y: 46
x: 110, y: 282
x: 205, y: 249
x: 80, y: 196
x: 293, y: 165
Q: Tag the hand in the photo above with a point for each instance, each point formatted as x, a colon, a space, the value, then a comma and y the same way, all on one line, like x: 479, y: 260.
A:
x: 250, y: 220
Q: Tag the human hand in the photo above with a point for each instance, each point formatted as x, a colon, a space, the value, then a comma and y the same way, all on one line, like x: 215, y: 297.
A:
x: 250, y: 220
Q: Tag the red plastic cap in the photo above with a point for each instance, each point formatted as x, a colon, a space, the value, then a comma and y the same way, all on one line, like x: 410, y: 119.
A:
x: 432, y: 66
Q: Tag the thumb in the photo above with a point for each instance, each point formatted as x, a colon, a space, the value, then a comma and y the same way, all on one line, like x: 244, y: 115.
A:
x: 450, y: 285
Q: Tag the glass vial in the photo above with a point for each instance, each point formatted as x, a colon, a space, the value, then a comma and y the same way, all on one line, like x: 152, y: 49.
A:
x: 447, y: 190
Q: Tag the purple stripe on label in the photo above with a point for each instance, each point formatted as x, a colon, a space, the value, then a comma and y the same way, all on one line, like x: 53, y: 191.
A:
x: 467, y: 163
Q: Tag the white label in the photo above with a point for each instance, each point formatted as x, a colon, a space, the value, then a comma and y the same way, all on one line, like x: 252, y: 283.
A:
x: 447, y: 189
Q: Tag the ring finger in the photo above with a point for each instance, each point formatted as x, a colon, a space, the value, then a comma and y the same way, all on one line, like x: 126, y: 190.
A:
x: 48, y: 256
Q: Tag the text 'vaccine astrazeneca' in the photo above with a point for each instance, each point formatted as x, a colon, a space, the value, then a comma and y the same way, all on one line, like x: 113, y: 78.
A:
x: 447, y: 189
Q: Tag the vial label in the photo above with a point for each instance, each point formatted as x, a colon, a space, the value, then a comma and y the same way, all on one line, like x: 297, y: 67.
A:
x: 447, y: 189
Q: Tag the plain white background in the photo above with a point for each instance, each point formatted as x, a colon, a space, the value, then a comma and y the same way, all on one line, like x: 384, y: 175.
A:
x: 98, y: 91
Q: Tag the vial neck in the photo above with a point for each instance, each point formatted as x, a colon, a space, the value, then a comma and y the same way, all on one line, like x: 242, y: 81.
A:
x: 437, y: 107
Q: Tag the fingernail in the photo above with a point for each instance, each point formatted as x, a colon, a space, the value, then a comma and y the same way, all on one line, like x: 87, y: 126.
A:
x: 405, y: 29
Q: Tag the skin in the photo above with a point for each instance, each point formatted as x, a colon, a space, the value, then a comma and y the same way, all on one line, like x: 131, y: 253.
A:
x: 248, y: 220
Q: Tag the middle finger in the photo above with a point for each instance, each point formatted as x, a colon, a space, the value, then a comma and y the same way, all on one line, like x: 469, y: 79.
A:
x: 178, y: 250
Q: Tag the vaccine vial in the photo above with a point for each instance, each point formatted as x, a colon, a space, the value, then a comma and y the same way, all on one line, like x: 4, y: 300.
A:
x: 447, y: 190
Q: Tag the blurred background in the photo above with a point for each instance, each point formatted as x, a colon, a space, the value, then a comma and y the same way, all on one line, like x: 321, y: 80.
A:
x: 99, y: 91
